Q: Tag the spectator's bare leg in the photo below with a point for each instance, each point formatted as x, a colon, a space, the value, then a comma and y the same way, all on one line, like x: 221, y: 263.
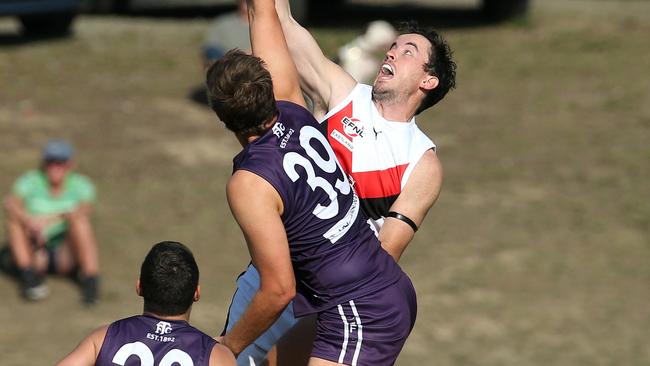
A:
x: 27, y: 261
x: 84, y: 246
x: 20, y: 245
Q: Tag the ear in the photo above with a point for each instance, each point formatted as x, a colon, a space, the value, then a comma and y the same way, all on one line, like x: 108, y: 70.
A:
x: 429, y: 83
x: 138, y: 289
x: 197, y: 293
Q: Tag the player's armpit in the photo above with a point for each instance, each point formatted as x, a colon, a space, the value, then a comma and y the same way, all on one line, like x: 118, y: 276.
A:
x: 418, y: 196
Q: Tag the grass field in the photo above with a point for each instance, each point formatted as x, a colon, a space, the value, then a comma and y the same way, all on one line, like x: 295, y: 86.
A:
x: 537, y: 253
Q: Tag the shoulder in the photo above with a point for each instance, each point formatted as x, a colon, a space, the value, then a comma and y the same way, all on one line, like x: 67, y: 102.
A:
x: 81, y: 185
x: 99, y: 334
x: 244, y: 181
x: 79, y: 179
x: 29, y: 177
x: 358, y: 94
x: 249, y: 193
x: 221, y: 356
x: 429, y: 163
x: 341, y: 85
x: 27, y: 182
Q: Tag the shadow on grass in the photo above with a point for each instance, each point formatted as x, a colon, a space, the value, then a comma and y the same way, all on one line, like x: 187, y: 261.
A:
x: 20, y: 39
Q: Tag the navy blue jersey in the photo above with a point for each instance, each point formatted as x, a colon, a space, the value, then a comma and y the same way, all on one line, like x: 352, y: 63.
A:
x: 146, y: 340
x: 336, y: 256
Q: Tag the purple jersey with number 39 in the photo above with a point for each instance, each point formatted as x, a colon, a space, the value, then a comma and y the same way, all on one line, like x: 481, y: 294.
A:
x: 336, y: 256
x: 146, y: 340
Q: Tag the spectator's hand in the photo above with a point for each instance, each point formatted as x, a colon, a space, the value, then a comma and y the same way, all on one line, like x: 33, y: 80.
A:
x: 36, y: 227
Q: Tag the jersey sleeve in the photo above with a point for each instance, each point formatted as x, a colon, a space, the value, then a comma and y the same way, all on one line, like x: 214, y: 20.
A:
x: 84, y: 189
x: 24, y: 185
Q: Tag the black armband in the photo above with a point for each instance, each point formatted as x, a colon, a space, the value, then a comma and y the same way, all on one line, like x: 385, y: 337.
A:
x: 403, y: 218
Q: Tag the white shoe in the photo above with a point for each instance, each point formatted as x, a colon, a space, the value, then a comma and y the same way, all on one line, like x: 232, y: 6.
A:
x: 38, y: 292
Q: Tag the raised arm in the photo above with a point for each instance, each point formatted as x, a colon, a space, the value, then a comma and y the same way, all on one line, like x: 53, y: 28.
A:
x: 325, y: 82
x: 257, y: 207
x: 268, y: 43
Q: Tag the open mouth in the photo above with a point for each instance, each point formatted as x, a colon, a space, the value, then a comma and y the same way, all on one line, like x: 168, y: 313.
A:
x: 386, y: 71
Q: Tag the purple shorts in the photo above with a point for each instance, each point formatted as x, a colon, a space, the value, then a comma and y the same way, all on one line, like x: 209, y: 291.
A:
x: 370, y: 330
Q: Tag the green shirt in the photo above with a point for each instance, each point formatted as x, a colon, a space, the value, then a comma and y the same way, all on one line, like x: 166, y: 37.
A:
x: 33, y: 189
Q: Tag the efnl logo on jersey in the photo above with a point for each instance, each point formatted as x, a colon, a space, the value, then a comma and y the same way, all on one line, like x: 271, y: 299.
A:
x: 278, y: 130
x: 352, y: 127
x: 162, y: 328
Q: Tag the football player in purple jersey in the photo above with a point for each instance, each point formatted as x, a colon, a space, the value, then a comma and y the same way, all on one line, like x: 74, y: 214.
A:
x: 299, y: 215
x: 161, y: 336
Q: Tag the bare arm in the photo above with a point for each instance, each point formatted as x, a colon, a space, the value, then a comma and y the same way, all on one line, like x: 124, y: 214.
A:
x: 419, y: 195
x: 86, y: 352
x: 257, y: 207
x: 325, y: 82
x: 221, y: 356
x: 14, y: 207
x: 36, y: 225
x: 268, y: 43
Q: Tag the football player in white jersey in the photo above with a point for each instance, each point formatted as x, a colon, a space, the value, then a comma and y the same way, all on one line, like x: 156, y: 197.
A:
x: 417, y: 72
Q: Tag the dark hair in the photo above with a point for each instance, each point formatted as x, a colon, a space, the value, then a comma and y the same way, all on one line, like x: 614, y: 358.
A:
x: 168, y: 278
x: 440, y: 63
x: 240, y: 91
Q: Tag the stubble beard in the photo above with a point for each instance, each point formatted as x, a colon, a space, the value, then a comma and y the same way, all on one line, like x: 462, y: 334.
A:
x: 383, y: 95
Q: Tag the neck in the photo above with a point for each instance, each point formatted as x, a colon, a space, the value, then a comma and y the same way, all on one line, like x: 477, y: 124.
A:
x: 55, y: 189
x: 247, y: 139
x: 185, y: 316
x: 396, y: 108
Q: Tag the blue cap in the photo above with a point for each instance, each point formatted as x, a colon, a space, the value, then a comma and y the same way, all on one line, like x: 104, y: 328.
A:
x: 57, y: 150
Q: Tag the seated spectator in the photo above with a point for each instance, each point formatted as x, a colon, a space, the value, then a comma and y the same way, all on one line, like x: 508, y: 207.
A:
x: 49, y: 226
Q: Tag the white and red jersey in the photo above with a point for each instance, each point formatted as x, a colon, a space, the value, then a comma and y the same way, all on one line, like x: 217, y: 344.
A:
x: 377, y: 154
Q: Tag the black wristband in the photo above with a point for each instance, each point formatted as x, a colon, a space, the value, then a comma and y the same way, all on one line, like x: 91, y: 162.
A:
x: 403, y: 218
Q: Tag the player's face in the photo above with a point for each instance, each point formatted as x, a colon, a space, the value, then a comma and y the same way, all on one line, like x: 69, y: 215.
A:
x: 403, y: 67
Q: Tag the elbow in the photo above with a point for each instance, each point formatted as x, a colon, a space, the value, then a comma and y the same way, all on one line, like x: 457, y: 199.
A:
x: 281, y: 294
x: 286, y: 294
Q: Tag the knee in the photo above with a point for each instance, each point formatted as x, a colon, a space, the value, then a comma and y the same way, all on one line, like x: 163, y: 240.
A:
x: 76, y: 217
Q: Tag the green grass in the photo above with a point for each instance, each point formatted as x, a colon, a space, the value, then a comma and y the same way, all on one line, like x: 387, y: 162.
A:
x: 536, y: 254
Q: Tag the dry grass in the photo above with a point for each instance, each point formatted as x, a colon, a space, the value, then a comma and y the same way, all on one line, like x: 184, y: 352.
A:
x: 536, y: 254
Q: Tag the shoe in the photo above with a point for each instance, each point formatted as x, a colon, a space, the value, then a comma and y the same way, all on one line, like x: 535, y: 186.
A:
x: 7, y: 262
x: 89, y: 290
x: 33, y: 287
